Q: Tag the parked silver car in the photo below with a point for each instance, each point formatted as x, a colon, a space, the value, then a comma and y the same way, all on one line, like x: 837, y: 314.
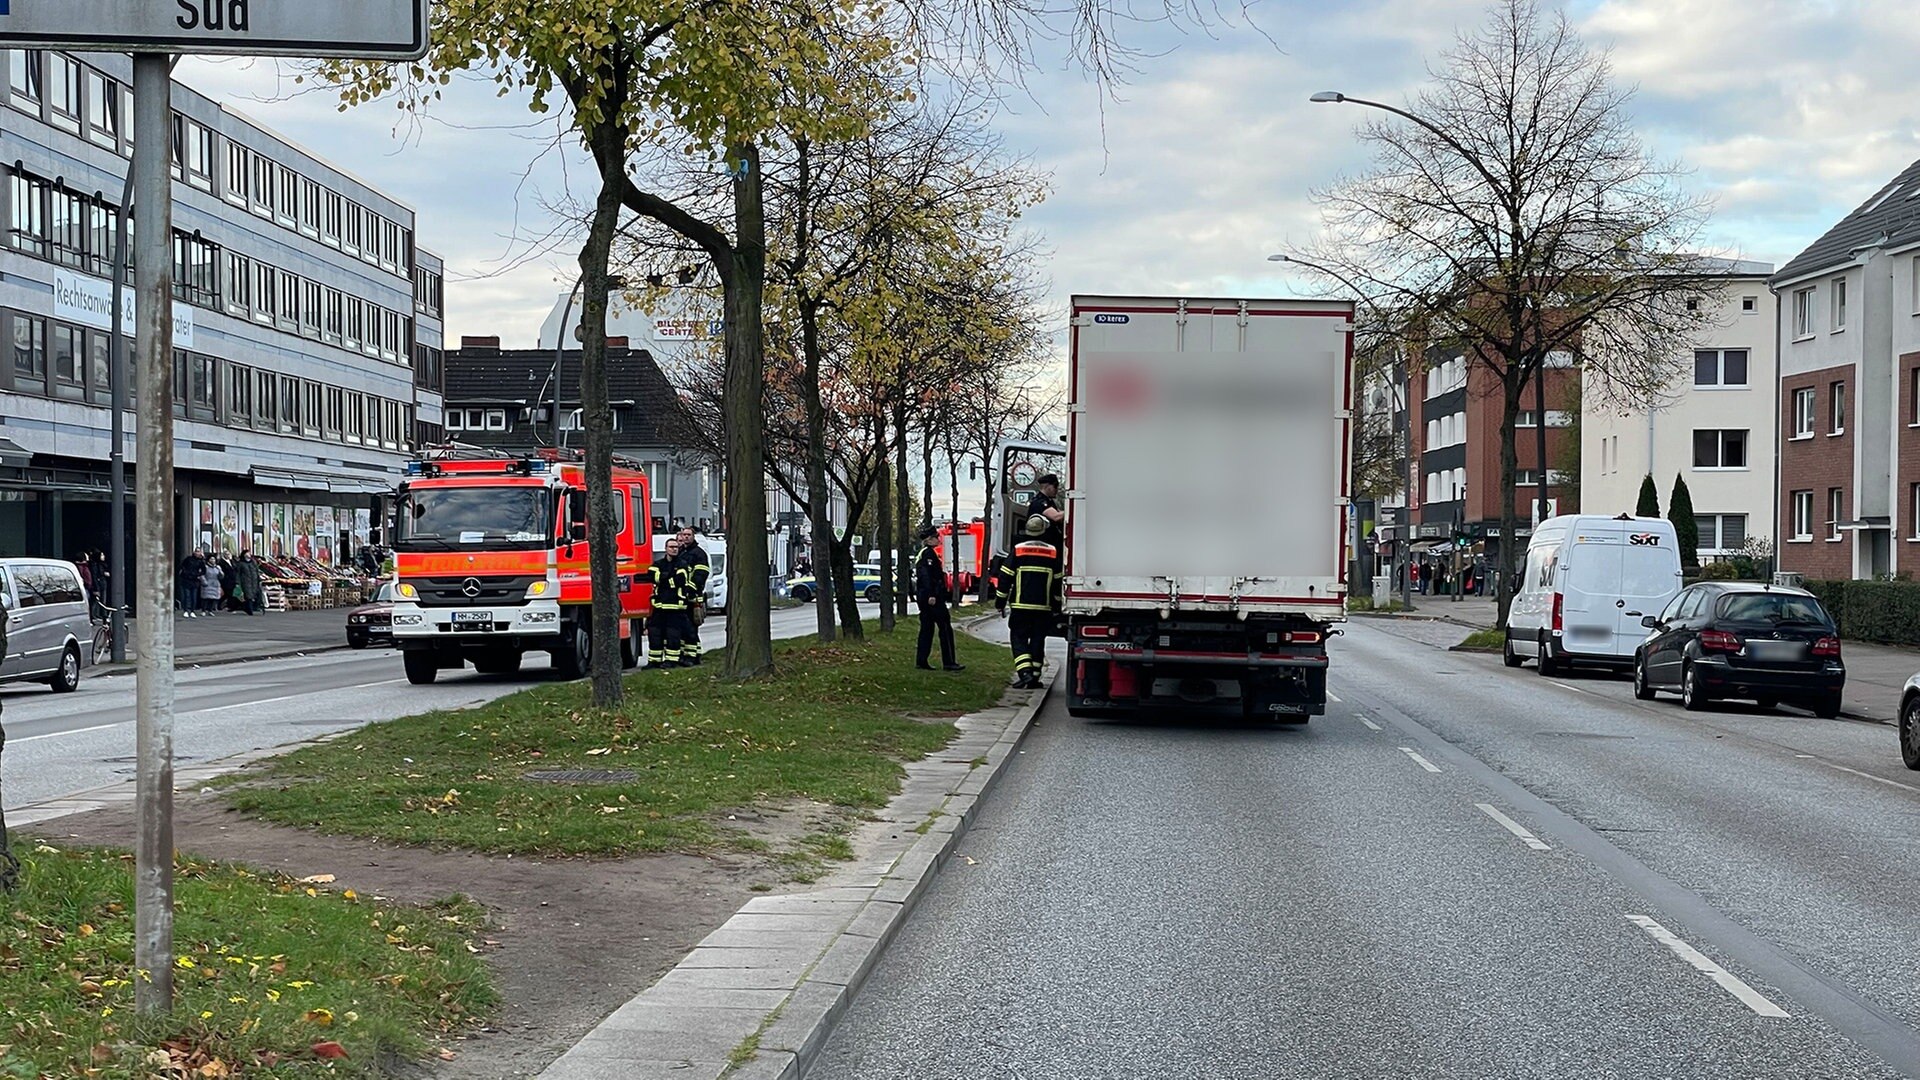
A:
x: 1910, y: 723
x: 47, y: 621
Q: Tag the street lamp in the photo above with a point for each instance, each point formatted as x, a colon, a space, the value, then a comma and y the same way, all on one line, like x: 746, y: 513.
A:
x: 614, y: 281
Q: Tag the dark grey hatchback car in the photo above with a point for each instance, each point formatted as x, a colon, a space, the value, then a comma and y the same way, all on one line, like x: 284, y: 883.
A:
x: 1728, y: 639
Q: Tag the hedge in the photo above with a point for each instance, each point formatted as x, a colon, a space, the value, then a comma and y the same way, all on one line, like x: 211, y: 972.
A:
x: 1887, y: 612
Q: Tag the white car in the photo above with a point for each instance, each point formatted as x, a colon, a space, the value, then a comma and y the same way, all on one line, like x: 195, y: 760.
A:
x: 1587, y: 582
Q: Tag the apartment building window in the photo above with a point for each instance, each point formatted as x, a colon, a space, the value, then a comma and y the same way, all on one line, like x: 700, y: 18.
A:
x: 264, y: 293
x: 312, y: 408
x: 286, y: 197
x: 192, y: 152
x: 1749, y: 305
x: 289, y: 309
x: 201, y: 397
x: 1803, y: 313
x: 27, y: 221
x: 309, y: 207
x: 266, y: 408
x: 335, y: 323
x: 427, y: 289
x: 1913, y: 397
x: 576, y: 421
x: 427, y: 362
x: 70, y: 223
x: 1837, y: 402
x: 1801, y: 519
x: 289, y: 403
x: 1720, y: 448
x: 24, y: 72
x: 1913, y: 504
x: 239, y: 167
x: 104, y: 221
x: 1720, y: 367
x: 103, y: 110
x: 1526, y: 418
x: 356, y: 416
x: 310, y: 310
x: 239, y: 384
x: 1803, y: 413
x: 239, y: 283
x: 1914, y: 277
x: 63, y: 91
x: 356, y: 321
x: 332, y: 208
x: 260, y: 185
x: 1836, y: 512
x: 336, y: 410
x: 69, y: 350
x: 29, y: 347
x: 1723, y: 533
x: 1839, y: 304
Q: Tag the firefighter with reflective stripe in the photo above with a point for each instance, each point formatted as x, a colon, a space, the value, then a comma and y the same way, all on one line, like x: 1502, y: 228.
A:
x: 1029, y: 590
x: 698, y: 566
x: 666, y: 627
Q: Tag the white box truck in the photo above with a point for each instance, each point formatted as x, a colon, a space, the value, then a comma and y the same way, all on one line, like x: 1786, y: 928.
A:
x: 1206, y: 502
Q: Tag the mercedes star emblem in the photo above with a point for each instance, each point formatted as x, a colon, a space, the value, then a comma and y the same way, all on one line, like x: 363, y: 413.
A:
x: 471, y: 586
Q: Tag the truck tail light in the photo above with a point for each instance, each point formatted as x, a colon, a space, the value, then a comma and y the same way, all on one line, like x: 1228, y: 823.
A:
x: 1096, y: 631
x: 1301, y: 637
x: 1559, y: 602
x: 1720, y: 641
x: 1827, y: 646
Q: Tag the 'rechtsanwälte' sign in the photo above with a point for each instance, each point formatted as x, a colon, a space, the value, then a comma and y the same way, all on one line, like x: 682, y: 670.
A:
x: 371, y: 29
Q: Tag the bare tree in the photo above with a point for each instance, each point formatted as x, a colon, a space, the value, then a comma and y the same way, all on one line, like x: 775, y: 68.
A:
x: 1512, y: 209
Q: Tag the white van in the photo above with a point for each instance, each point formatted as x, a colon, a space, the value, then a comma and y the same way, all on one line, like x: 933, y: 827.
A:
x: 49, y: 634
x: 1586, y: 584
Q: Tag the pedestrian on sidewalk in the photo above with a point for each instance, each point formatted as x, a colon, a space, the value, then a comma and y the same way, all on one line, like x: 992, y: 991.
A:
x: 930, y: 589
x: 192, y: 569
x: 211, y: 583
x: 227, y: 599
x: 248, y: 590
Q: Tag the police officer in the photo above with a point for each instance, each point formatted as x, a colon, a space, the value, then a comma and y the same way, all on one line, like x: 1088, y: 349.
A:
x: 1046, y: 504
x: 1029, y: 591
x: 930, y: 589
x: 666, y: 626
x: 698, y: 566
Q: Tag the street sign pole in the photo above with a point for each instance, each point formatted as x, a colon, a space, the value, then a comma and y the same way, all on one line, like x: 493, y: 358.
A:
x: 153, y: 515
x: 118, y: 564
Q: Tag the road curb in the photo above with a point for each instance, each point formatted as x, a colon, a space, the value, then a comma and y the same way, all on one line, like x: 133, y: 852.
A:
x: 109, y: 671
x: 699, y: 1018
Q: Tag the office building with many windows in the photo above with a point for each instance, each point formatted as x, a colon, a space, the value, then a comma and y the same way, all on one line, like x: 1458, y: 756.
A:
x: 307, y: 325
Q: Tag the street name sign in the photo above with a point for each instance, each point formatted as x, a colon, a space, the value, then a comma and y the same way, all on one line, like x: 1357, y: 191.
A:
x: 369, y: 29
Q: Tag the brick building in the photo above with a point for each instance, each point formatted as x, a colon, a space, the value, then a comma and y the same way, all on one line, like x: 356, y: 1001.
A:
x: 1848, y: 473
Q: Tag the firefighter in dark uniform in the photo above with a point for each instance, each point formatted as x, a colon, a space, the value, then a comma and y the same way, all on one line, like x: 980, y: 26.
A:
x: 1029, y: 591
x: 930, y: 589
x: 1046, y: 504
x: 694, y: 558
x: 665, y: 627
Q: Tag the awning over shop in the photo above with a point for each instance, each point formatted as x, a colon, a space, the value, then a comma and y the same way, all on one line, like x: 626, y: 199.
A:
x: 300, y: 479
x: 12, y: 453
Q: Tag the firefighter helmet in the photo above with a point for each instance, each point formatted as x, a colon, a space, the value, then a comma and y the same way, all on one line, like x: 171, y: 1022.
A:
x: 1037, y: 525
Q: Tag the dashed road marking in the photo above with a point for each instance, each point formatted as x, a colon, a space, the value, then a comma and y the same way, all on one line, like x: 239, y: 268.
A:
x: 1566, y: 686
x: 1514, y: 827
x: 1857, y: 772
x: 1371, y: 726
x: 70, y: 731
x: 1422, y: 762
x: 1728, y: 981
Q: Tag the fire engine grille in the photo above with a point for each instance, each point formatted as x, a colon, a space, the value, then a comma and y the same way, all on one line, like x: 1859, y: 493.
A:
x: 472, y: 591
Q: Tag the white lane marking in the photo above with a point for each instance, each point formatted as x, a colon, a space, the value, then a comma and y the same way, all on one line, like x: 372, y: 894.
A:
x: 1870, y: 776
x: 1728, y: 981
x: 1514, y: 827
x: 75, y: 731
x: 1370, y: 724
x: 1566, y: 686
x: 284, y: 697
x: 1422, y: 762
x: 1331, y: 696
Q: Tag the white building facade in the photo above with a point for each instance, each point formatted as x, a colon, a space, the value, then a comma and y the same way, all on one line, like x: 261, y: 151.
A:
x: 1716, y: 428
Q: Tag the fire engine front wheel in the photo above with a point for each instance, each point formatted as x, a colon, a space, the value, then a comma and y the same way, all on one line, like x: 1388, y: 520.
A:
x: 630, y: 645
x: 421, y: 666
x: 573, y: 659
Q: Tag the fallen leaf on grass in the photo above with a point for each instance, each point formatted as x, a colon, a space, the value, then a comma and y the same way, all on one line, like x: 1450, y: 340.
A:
x: 601, y: 750
x: 322, y: 1017
x: 101, y: 1053
x: 215, y: 1070
x: 445, y: 1054
x: 317, y: 879
x: 329, y: 1049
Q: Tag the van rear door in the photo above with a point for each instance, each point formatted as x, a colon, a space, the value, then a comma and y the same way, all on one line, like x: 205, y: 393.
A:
x: 1590, y: 586
x: 1649, y: 580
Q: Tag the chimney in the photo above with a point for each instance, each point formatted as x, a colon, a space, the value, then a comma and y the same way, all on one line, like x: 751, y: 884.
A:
x: 476, y: 344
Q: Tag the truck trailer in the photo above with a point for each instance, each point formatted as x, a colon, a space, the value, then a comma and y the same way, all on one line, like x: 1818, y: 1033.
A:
x: 1206, y: 501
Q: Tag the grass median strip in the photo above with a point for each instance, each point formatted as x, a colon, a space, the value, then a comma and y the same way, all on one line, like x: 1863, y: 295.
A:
x: 272, y: 976
x: 832, y: 728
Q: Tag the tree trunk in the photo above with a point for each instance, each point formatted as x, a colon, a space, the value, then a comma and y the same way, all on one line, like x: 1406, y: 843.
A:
x: 883, y: 519
x: 602, y: 518
x: 843, y: 559
x: 1509, y: 517
x: 819, y: 495
x: 749, y: 619
x: 902, y: 528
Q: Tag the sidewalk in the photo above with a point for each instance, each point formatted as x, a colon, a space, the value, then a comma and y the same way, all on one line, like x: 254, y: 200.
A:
x: 232, y: 636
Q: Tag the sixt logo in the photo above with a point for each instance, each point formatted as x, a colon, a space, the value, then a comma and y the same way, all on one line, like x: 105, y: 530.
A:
x: 1101, y: 318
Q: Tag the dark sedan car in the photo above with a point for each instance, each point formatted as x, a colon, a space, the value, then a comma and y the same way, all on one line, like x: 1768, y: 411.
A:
x: 1725, y: 639
x: 370, y: 623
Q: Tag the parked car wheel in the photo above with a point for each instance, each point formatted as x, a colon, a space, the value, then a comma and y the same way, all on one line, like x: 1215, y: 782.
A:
x: 630, y: 645
x: 873, y: 594
x: 1826, y: 706
x: 1692, y: 695
x: 1548, y: 665
x: 66, y: 678
x: 1910, y: 732
x: 1642, y: 689
x: 1507, y: 655
x: 802, y: 593
x: 421, y: 666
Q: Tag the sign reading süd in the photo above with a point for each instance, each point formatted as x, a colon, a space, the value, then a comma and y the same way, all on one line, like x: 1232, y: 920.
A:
x: 377, y: 29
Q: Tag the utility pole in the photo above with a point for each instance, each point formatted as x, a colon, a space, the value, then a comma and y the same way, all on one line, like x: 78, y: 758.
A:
x: 1404, y: 379
x: 153, y: 516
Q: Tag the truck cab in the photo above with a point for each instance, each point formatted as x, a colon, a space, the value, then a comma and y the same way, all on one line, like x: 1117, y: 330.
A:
x: 491, y: 562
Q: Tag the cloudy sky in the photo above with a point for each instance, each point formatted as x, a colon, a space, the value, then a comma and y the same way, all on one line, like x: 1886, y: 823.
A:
x: 1789, y: 113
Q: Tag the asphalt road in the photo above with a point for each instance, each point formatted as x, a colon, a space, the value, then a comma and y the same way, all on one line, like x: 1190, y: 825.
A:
x: 63, y: 744
x: 1461, y: 871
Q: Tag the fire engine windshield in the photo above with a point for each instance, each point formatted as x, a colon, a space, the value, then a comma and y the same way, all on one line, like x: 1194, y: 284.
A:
x: 497, y: 517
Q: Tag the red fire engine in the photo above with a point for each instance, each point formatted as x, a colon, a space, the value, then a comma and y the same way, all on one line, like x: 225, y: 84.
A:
x: 969, y: 565
x: 490, y: 558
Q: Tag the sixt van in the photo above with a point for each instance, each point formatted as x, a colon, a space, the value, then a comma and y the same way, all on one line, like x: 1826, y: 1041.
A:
x: 1586, y: 583
x: 1206, y: 503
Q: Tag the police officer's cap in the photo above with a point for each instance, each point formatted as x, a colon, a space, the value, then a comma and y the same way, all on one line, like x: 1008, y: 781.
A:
x: 929, y: 533
x: 1050, y: 478
x: 1037, y: 525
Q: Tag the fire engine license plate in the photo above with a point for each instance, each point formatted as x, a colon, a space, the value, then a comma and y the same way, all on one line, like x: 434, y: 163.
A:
x: 484, y: 618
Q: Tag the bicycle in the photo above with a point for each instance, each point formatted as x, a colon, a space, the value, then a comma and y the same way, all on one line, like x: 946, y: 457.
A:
x: 103, y: 635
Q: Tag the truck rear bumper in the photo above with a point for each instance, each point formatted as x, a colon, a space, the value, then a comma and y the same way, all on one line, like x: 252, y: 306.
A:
x: 1194, y: 656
